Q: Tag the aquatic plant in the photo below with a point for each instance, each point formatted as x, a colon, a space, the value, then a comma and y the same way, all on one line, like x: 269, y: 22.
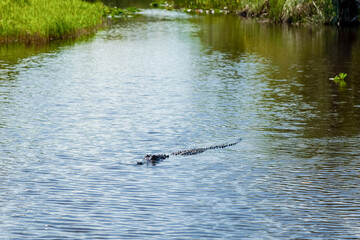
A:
x: 162, y: 5
x: 118, y: 12
x: 156, y: 4
x: 340, y: 79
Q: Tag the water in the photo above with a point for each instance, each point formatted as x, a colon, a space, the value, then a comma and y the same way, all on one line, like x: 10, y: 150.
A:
x: 76, y: 116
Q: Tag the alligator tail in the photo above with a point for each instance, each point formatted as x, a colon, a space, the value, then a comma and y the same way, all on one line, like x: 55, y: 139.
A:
x: 201, y: 150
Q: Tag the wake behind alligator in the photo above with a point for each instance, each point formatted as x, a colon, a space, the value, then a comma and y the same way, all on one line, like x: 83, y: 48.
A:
x: 156, y: 158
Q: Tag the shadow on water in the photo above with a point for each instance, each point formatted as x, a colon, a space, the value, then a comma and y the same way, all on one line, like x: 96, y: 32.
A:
x: 126, y: 3
x: 19, y: 50
x: 13, y: 54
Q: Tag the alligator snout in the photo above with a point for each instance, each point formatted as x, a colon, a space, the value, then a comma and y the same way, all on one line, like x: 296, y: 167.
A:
x: 153, y: 158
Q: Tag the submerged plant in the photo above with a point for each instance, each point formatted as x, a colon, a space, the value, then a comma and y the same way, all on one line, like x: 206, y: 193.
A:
x: 340, y: 79
x: 118, y: 12
x: 162, y: 5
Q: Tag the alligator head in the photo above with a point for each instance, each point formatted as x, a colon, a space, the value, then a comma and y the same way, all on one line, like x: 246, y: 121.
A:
x: 153, y: 159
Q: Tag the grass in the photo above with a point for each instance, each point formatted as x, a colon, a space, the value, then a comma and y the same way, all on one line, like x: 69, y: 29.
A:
x: 43, y: 20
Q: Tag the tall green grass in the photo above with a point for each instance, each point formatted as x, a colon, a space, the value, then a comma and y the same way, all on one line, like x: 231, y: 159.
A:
x: 47, y: 19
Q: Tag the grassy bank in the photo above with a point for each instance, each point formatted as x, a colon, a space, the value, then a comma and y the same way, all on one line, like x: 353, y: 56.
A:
x: 319, y: 11
x: 43, y: 20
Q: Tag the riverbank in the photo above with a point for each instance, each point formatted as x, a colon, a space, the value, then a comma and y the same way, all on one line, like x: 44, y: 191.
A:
x: 44, y: 20
x: 343, y: 12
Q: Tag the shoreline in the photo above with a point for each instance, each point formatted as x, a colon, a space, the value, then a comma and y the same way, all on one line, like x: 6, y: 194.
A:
x: 32, y: 21
x: 38, y: 39
x: 346, y: 13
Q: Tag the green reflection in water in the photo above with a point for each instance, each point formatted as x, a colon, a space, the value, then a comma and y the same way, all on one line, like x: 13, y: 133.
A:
x: 126, y: 3
x: 294, y: 82
x: 13, y: 53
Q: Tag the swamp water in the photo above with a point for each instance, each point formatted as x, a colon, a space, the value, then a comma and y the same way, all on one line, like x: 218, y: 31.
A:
x: 75, y: 118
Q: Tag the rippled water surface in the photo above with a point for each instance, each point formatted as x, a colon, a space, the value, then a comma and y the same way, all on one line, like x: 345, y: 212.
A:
x: 75, y: 118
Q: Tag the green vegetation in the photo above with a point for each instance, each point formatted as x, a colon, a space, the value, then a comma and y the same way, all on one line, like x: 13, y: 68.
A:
x: 300, y: 11
x: 44, y: 20
x: 340, y: 80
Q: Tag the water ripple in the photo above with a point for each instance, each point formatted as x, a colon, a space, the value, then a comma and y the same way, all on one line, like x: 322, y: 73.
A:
x: 75, y: 119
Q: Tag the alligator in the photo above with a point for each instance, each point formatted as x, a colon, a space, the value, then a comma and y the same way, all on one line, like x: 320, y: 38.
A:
x: 156, y: 158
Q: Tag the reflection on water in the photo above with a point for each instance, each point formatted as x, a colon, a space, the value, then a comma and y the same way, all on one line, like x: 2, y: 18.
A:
x: 127, y: 3
x: 75, y: 118
x: 301, y: 60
